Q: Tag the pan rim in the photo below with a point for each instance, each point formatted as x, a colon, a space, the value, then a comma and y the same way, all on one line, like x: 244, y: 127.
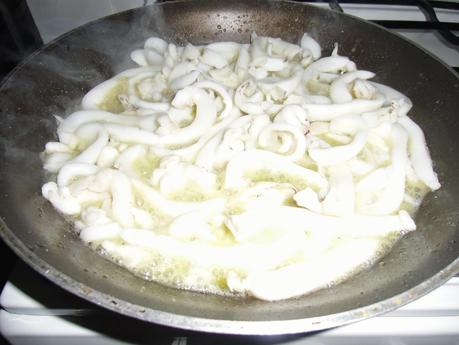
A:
x: 224, y: 326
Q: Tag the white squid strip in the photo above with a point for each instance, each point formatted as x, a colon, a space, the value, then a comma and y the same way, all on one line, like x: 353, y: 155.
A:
x: 138, y: 56
x: 326, y: 64
x: 132, y: 135
x: 107, y: 157
x: 143, y: 218
x: 133, y: 72
x: 206, y: 114
x: 268, y: 137
x: 191, y: 226
x: 299, y: 219
x: 101, y: 232
x: 288, y: 84
x: 184, y: 73
x: 53, y: 147
x: 372, y: 182
x: 89, y: 197
x: 153, y: 58
x: 102, y: 181
x: 61, y: 198
x: 392, y: 196
x: 258, y: 122
x: 263, y: 194
x: 122, y: 199
x: 175, y: 177
x: 334, y: 63
x: 184, y: 80
x: 244, y: 103
x: 147, y: 57
x: 130, y: 256
x: 339, y: 91
x: 227, y: 101
x: 338, y: 154
x: 91, y: 154
x: 340, y: 199
x: 237, y: 256
x: 56, y: 161
x: 134, y: 99
x: 309, y: 199
x: 229, y: 50
x: 349, y: 124
x: 403, y: 103
x: 279, y: 47
x: 206, y: 156
x: 172, y: 52
x: 316, y: 99
x: 327, y: 112
x: 174, y: 208
x: 258, y: 73
x: 363, y: 89
x: 80, y: 184
x: 294, y: 115
x: 225, y: 77
x: 155, y: 106
x: 419, y: 154
x: 390, y: 93
x: 134, y: 81
x: 253, y: 160
x: 318, y: 128
x: 177, y: 116
x: 330, y: 267
x: 71, y: 171
x: 257, y: 46
x: 126, y: 159
x: 100, y: 92
x: 190, y: 151
x: 94, y: 216
x: 181, y: 69
x: 157, y: 44
x: 310, y: 44
x: 327, y: 77
x: 269, y: 64
x: 243, y: 60
x: 79, y: 118
x: 213, y: 58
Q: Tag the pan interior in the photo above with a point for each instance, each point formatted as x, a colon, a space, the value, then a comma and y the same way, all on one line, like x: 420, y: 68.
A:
x: 53, y: 81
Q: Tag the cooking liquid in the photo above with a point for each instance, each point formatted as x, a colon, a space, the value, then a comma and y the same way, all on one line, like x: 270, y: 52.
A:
x: 204, y: 264
x: 188, y: 271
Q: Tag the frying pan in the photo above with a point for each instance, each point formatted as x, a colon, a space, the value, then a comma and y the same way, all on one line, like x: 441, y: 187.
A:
x: 54, y: 79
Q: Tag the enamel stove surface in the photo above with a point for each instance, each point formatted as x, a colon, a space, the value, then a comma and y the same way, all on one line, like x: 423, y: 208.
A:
x: 37, y: 312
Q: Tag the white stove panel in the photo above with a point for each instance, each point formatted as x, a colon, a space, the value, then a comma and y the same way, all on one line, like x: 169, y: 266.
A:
x: 36, y: 312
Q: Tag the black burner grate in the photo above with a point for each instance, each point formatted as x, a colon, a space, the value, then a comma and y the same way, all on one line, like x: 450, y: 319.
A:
x: 426, y: 7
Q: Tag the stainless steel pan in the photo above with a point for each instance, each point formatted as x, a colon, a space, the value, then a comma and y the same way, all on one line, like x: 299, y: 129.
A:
x: 54, y: 79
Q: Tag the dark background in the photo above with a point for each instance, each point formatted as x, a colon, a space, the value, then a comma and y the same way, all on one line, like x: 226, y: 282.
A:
x: 18, y: 38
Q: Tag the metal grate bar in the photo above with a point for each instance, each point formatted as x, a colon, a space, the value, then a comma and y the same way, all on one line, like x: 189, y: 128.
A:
x: 408, y: 24
x: 445, y: 29
x: 436, y: 4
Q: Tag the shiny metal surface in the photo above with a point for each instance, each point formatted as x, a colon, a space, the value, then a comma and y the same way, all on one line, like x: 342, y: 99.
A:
x: 53, y: 80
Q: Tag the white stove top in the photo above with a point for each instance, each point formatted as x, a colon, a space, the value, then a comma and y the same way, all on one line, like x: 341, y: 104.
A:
x: 37, y: 312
